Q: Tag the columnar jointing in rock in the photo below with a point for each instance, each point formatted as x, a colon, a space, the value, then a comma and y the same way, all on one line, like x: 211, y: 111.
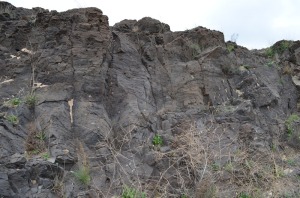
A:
x: 104, y: 92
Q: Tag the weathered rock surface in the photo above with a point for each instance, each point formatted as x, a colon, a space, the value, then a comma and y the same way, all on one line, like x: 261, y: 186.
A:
x: 102, y: 93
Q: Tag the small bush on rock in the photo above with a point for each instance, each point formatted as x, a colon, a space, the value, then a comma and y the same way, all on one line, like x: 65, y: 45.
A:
x: 157, y: 140
x: 41, y: 136
x: 45, y: 156
x: 83, y: 175
x: 277, y: 49
x: 31, y: 100
x: 132, y: 193
x: 230, y: 47
x: 270, y: 52
x: 15, y: 102
x: 289, y: 122
x: 13, y: 119
x: 35, y: 141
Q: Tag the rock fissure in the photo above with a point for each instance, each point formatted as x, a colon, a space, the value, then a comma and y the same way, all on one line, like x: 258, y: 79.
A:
x: 230, y: 88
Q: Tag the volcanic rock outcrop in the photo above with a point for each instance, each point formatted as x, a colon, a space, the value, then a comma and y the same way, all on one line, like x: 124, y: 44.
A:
x: 88, y: 110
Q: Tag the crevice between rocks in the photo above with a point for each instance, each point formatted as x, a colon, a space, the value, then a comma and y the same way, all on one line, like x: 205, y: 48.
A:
x: 230, y: 88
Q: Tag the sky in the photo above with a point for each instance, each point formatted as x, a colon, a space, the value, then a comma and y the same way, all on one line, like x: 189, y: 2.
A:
x: 253, y: 24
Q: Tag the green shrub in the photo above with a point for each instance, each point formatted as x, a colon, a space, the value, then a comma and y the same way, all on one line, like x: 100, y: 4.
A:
x: 270, y: 52
x: 41, y: 135
x: 230, y: 47
x: 215, y: 167
x: 291, y: 162
x: 284, y: 45
x: 270, y: 64
x: 273, y: 147
x: 31, y: 100
x: 277, y: 49
x: 244, y: 195
x: 12, y: 119
x: 196, y: 50
x: 34, y: 152
x: 289, y: 122
x: 83, y: 175
x: 132, y: 193
x: 157, y: 140
x: 229, y: 167
x: 14, y: 102
x: 45, y: 156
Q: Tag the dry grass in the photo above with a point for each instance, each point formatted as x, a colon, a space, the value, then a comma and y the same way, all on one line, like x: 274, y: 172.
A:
x: 183, y: 161
x: 83, y: 172
x: 121, y: 177
x: 35, y: 141
x: 58, y: 187
x: 201, y: 162
x: 287, y: 69
x: 188, y: 163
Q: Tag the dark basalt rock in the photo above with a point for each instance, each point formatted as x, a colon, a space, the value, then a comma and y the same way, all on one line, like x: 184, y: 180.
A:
x: 101, y: 94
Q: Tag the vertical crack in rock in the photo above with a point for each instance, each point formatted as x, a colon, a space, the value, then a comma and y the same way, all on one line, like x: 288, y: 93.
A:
x: 151, y: 86
x: 230, y: 88
x: 72, y: 56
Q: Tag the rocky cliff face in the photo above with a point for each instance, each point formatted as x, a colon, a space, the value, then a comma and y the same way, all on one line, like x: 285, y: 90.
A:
x: 136, y: 110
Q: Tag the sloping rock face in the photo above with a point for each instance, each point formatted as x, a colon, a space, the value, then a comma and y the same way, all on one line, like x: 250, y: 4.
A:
x: 136, y: 108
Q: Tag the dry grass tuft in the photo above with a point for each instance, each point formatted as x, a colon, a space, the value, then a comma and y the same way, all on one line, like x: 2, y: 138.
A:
x: 35, y: 141
x: 58, y: 187
x: 83, y: 173
x: 201, y: 162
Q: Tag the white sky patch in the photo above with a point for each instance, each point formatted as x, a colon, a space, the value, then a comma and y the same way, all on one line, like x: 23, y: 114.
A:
x: 289, y: 17
x: 259, y: 23
x: 283, y: 22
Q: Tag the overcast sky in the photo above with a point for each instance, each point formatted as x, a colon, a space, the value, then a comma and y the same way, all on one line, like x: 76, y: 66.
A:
x: 258, y: 23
